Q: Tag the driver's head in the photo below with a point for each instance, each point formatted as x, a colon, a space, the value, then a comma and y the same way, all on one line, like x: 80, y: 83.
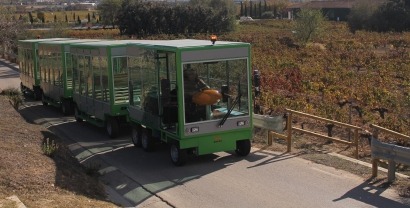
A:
x: 190, y: 73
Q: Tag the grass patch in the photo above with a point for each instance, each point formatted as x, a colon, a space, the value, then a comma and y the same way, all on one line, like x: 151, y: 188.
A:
x: 14, y: 96
x: 49, y: 147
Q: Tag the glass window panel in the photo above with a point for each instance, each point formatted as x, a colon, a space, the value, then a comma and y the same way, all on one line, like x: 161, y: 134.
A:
x: 97, y: 78
x: 231, y: 75
x: 75, y: 70
x: 120, y: 73
x: 104, y: 79
x: 149, y: 84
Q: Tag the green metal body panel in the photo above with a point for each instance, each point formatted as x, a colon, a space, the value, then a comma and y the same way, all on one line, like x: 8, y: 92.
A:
x: 55, y: 93
x: 213, y: 139
x: 216, y: 142
x: 92, y: 109
x: 28, y: 55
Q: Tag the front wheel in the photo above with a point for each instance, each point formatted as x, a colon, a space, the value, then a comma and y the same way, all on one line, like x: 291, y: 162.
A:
x: 43, y: 100
x: 112, y: 127
x: 147, y: 142
x: 243, y: 147
x: 136, y: 135
x: 178, y: 155
x: 77, y: 115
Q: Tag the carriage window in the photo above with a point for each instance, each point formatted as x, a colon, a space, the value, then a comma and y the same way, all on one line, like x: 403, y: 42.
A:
x: 120, y: 75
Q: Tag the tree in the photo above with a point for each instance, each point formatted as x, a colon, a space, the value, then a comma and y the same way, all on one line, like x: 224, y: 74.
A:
x: 10, y: 29
x: 393, y: 15
x: 109, y: 10
x: 88, y: 17
x: 361, y: 14
x: 380, y: 16
x: 250, y: 9
x: 260, y: 10
x: 41, y: 16
x: 310, y: 24
x: 30, y: 17
x: 241, y: 9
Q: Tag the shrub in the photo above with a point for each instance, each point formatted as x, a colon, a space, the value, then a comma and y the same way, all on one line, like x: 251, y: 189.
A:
x: 268, y: 15
x: 15, y: 97
x: 49, y: 147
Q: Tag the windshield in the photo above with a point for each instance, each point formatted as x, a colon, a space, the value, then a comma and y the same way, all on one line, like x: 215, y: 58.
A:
x: 212, y: 88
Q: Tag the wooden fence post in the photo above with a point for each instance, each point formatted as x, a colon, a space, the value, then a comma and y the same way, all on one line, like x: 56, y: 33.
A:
x: 391, y: 171
x: 356, y: 143
x: 289, y: 129
x: 375, y: 163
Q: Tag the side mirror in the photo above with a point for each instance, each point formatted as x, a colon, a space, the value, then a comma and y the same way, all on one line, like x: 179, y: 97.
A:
x: 257, y: 82
x: 224, y: 92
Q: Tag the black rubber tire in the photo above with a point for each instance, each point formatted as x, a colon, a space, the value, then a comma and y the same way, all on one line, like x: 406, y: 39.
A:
x: 112, y: 127
x: 147, y: 142
x: 22, y: 88
x: 43, y: 100
x: 243, y: 147
x: 178, y: 156
x: 136, y: 135
x: 66, y: 107
x: 37, y: 94
x: 76, y: 115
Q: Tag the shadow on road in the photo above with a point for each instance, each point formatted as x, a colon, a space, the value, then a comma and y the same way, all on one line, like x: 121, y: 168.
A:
x: 275, y: 158
x: 370, y: 193
x: 134, y: 174
x: 3, y: 63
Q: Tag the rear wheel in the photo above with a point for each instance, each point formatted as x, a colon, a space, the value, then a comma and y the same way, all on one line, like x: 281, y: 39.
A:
x: 66, y: 107
x: 37, y: 94
x: 178, y: 155
x: 136, y: 135
x: 43, y: 100
x: 243, y: 147
x: 77, y: 115
x: 147, y: 142
x: 112, y: 127
x: 22, y: 88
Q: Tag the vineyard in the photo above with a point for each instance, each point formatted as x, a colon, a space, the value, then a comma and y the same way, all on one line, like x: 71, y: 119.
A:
x: 361, y: 78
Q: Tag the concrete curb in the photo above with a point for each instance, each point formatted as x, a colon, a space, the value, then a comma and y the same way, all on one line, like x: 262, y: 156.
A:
x: 364, y: 164
x: 14, y: 198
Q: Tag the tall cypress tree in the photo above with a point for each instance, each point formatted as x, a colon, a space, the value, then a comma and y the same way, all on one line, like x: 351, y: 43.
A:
x: 241, y: 9
x: 260, y: 10
x: 30, y: 16
x: 250, y: 9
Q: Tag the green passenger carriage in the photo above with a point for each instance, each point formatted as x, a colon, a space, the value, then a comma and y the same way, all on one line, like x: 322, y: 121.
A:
x: 55, y: 68
x: 194, y: 95
x: 211, y: 115
x: 100, y: 81
x: 28, y: 64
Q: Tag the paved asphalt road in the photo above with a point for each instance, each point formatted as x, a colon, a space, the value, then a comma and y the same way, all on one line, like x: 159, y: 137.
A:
x: 9, y: 78
x: 263, y: 179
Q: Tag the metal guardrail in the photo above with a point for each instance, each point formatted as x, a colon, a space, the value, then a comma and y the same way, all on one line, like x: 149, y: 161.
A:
x: 274, y: 125
x: 390, y: 152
